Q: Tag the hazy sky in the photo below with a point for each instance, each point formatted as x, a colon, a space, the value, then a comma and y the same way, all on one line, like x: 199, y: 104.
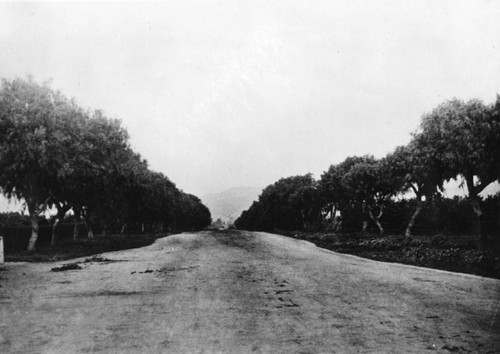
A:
x: 217, y: 94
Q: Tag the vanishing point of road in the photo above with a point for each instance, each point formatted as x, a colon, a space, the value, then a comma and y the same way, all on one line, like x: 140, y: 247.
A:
x: 243, y: 292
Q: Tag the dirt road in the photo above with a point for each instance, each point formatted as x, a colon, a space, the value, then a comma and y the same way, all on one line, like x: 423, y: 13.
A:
x: 242, y: 292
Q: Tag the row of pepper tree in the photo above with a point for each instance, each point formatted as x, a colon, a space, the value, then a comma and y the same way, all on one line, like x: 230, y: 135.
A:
x: 55, y: 154
x: 457, y: 139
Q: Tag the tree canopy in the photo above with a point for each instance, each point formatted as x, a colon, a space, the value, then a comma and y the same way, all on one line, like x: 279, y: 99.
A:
x: 463, y: 139
x: 289, y: 204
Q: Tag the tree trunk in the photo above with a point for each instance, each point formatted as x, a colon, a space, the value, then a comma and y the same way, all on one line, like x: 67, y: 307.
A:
x: 477, y: 227
x: 434, y: 215
x: 77, y: 224
x: 337, y: 225
x: 377, y: 219
x: 365, y: 221
x: 333, y: 213
x: 414, y: 217
x: 498, y: 219
x: 54, y: 236
x: 75, y: 230
x: 379, y: 225
x: 34, y: 230
x: 305, y: 220
x: 103, y: 226
x: 34, y: 210
x: 61, y: 212
x: 85, y: 220
x: 90, y: 233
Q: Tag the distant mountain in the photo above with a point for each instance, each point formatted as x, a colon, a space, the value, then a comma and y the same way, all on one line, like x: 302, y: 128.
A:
x: 229, y: 204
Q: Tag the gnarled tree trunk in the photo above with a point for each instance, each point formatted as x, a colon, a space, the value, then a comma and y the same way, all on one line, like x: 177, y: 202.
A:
x: 53, y: 239
x: 476, y: 207
x: 34, y: 210
x: 477, y: 226
x: 34, y: 231
x: 376, y: 218
x: 414, y: 216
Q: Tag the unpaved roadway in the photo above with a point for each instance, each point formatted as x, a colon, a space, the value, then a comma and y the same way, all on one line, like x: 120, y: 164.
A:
x: 242, y: 292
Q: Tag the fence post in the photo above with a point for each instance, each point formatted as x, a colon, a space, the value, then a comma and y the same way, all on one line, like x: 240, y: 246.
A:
x: 1, y: 250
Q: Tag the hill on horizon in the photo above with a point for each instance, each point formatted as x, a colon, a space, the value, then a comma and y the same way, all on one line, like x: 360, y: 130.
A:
x: 230, y: 203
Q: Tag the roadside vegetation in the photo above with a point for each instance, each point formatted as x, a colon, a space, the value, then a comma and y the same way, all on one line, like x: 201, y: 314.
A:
x: 454, y: 253
x: 393, y: 208
x: 55, y: 155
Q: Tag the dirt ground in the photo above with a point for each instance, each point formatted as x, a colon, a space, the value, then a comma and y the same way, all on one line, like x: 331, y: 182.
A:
x: 242, y: 292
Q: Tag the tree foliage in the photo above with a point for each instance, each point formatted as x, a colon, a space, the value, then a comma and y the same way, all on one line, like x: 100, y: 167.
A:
x: 463, y: 138
x: 34, y: 138
x: 291, y: 203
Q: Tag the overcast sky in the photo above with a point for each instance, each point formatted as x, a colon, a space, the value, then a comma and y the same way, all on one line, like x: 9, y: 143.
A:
x: 218, y: 94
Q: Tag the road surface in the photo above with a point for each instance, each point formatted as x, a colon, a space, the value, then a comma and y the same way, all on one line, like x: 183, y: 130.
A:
x: 242, y: 292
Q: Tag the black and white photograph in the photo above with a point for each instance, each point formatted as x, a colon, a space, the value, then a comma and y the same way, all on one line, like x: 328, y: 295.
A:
x: 250, y: 176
